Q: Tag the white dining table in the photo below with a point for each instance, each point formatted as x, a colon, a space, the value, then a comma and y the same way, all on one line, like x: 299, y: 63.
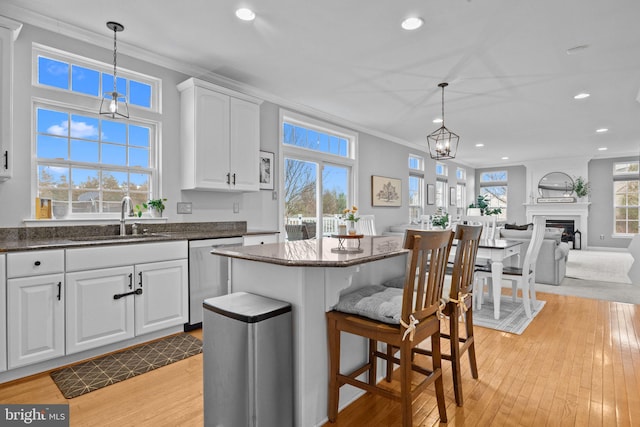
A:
x: 495, y: 251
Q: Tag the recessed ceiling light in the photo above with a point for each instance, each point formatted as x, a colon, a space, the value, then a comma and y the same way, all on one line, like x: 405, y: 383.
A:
x: 438, y: 120
x: 479, y: 145
x: 602, y: 130
x: 602, y: 149
x: 245, y: 14
x: 582, y: 95
x: 412, y: 23
x: 505, y: 158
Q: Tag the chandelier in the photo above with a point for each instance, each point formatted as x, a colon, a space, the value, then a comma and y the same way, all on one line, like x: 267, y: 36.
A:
x: 113, y: 103
x: 442, y: 143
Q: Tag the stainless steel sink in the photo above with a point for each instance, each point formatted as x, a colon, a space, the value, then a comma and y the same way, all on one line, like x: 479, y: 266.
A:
x: 117, y: 237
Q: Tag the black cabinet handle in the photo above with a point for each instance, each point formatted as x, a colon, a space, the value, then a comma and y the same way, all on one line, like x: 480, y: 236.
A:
x: 136, y: 292
x: 140, y: 274
x: 234, y: 179
x: 37, y: 263
x: 130, y: 280
x: 229, y: 178
x: 6, y: 159
x: 59, y: 290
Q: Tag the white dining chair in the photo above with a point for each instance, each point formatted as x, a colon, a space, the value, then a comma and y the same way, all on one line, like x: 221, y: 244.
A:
x: 366, y: 225
x: 488, y: 222
x: 521, y: 277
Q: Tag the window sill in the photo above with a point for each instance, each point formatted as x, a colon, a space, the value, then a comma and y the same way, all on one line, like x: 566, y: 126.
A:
x: 89, y: 221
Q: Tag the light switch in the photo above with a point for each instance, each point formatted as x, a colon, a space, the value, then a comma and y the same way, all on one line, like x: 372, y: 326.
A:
x: 236, y: 207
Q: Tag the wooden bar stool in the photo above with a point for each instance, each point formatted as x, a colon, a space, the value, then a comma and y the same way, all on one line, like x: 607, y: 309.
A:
x: 415, y: 318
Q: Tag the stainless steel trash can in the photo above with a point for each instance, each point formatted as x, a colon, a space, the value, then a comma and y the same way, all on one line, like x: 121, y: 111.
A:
x: 248, y: 361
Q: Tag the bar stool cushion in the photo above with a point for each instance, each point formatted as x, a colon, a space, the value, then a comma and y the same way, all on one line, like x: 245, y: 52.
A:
x: 375, y: 302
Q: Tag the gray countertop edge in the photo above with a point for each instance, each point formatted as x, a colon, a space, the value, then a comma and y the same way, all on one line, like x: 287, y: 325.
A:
x: 61, y: 243
x: 306, y: 263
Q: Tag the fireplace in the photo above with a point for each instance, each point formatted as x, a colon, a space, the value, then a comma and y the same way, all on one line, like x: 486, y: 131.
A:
x: 567, y: 226
x: 576, y: 212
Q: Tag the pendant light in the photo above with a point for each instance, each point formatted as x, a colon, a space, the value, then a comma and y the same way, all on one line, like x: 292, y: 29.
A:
x: 442, y: 143
x: 113, y: 103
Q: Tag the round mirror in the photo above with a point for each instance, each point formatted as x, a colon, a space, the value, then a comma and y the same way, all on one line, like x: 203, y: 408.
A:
x: 555, y: 184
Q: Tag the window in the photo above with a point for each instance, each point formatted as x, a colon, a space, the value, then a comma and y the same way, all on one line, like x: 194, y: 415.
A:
x: 461, y: 195
x: 441, y: 194
x: 83, y: 160
x: 416, y: 187
x: 626, y: 197
x: 441, y: 169
x: 319, y: 164
x: 82, y: 76
x: 494, y: 185
x: 461, y: 174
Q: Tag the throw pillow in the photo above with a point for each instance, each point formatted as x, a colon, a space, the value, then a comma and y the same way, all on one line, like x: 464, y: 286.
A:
x: 519, y: 227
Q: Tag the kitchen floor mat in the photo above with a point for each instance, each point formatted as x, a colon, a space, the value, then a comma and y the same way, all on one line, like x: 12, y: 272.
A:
x: 86, y: 377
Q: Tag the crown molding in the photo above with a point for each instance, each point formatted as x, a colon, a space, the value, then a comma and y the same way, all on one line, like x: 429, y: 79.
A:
x: 106, y: 41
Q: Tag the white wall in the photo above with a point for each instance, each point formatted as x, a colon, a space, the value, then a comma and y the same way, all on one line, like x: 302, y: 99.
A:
x: 16, y: 196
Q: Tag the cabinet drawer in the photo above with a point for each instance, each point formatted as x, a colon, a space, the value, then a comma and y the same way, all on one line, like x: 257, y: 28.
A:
x: 259, y: 239
x: 117, y: 255
x: 34, y: 263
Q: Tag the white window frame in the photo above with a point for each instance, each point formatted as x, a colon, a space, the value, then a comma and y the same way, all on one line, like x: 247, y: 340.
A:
x: 319, y: 157
x: 79, y: 103
x: 503, y: 183
x: 620, y: 177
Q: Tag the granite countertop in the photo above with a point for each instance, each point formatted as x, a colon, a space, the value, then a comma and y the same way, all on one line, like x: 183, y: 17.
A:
x: 319, y: 252
x: 22, y: 239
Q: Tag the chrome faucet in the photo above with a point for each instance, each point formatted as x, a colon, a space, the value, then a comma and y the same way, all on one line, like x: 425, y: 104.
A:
x: 127, y: 205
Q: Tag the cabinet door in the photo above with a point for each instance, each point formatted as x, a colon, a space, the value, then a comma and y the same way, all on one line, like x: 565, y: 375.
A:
x: 245, y: 145
x: 35, y: 319
x: 94, y: 317
x: 6, y: 106
x: 211, y: 150
x: 3, y: 319
x: 163, y: 302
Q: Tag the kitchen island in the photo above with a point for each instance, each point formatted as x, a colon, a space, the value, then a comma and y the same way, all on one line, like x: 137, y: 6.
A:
x: 311, y: 275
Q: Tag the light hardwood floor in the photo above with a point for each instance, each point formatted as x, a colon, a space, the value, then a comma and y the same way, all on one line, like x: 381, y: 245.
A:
x: 577, y: 364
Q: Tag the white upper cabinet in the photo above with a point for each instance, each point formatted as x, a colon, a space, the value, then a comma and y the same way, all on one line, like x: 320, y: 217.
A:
x: 220, y: 138
x: 9, y: 30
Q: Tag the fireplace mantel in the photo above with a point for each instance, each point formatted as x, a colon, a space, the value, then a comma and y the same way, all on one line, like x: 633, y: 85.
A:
x: 578, y: 211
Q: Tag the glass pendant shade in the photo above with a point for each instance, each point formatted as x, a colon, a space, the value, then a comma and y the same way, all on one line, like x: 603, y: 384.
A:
x: 114, y: 104
x: 442, y: 143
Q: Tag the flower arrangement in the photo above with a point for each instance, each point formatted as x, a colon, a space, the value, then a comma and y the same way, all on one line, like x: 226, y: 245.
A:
x: 581, y: 187
x: 440, y: 220
x: 350, y: 214
x: 482, y: 202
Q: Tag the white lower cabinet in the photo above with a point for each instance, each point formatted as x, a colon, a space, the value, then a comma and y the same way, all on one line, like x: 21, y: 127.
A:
x: 107, y: 305
x: 94, y: 317
x: 164, y: 301
x: 35, y: 319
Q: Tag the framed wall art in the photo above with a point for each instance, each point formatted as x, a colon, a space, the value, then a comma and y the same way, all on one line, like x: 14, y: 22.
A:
x: 267, y: 170
x: 386, y: 191
x: 431, y: 194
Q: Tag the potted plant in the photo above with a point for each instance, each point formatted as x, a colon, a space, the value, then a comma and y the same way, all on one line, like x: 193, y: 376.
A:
x: 155, y: 207
x: 440, y: 220
x: 482, y: 203
x: 581, y: 187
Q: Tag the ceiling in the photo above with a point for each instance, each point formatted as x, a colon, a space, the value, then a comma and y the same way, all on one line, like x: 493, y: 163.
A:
x: 511, y: 80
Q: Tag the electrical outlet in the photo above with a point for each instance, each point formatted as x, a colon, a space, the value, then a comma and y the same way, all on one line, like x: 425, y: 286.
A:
x: 236, y: 207
x: 185, y: 208
x: 274, y: 195
x: 602, y: 237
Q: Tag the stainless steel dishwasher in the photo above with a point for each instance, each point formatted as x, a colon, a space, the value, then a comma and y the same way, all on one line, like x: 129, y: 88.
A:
x: 208, y: 275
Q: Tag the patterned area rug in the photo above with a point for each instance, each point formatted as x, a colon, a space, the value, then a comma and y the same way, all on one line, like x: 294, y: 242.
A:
x: 86, y: 377
x: 512, y: 316
x: 600, y: 266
